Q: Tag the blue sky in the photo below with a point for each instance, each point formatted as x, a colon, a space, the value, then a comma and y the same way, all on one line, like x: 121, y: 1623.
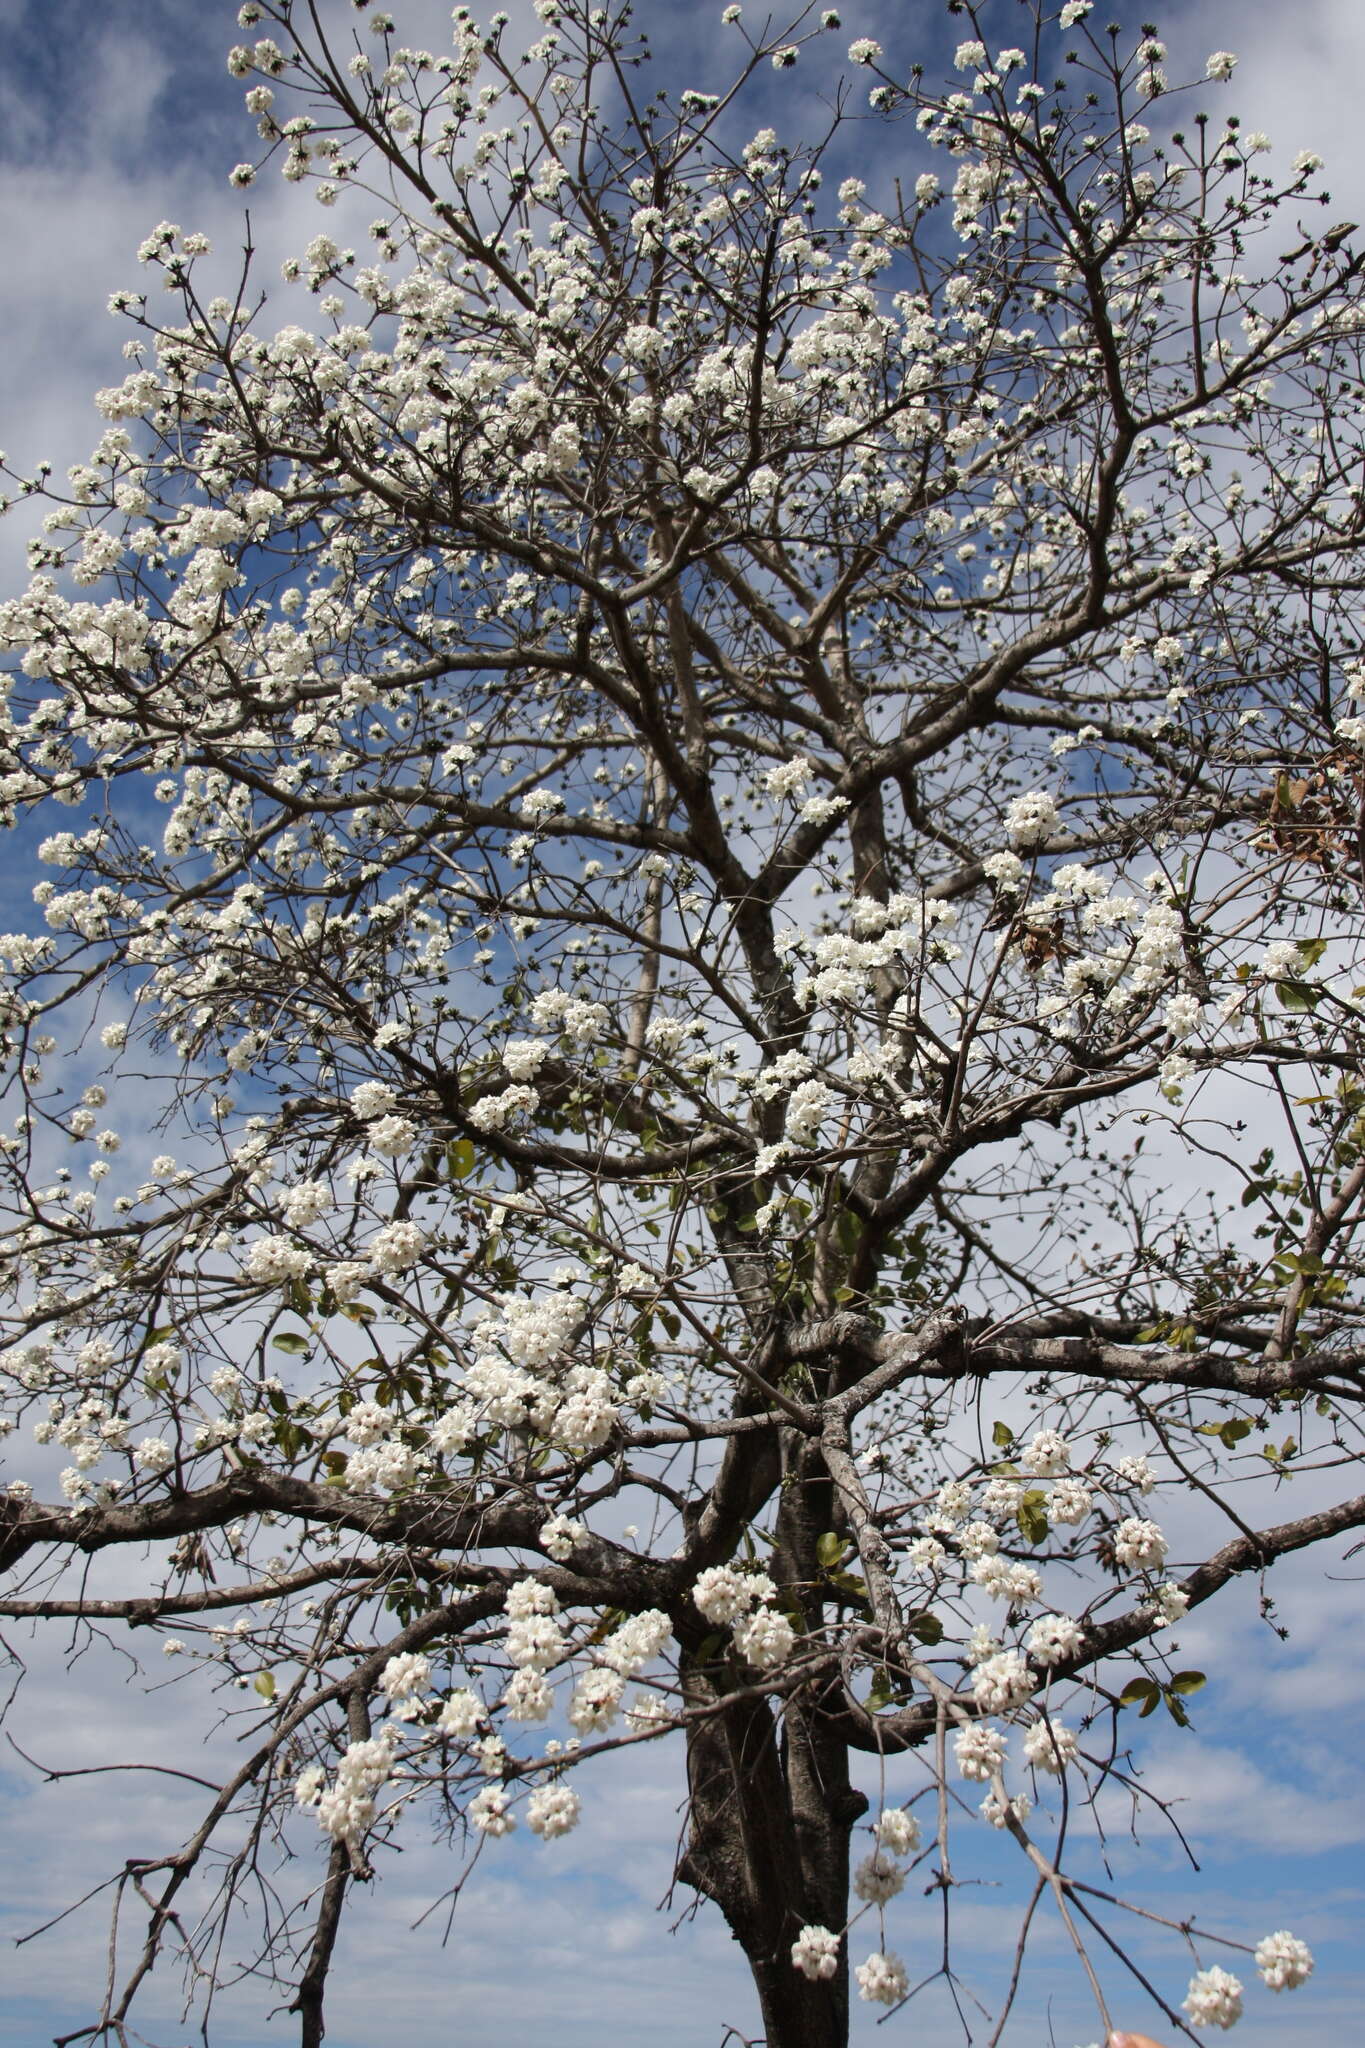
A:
x: 112, y: 117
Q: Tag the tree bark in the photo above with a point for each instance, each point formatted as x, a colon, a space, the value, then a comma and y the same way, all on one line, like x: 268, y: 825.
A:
x: 772, y: 1810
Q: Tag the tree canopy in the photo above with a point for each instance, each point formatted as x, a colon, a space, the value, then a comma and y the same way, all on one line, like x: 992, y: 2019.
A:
x: 687, y: 1068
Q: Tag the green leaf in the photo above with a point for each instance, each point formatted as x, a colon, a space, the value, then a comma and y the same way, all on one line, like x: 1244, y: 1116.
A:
x: 848, y: 1232
x: 461, y: 1159
x: 1173, y: 1708
x: 296, y: 1346
x: 1001, y: 1435
x: 1139, y: 1689
x: 925, y: 1627
x: 1187, y: 1682
x: 1298, y: 996
x: 1031, y: 1515
x: 850, y: 1583
x: 264, y: 1684
x: 831, y: 1549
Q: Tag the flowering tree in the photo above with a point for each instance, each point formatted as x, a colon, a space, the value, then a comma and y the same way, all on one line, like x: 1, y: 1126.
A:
x: 732, y: 751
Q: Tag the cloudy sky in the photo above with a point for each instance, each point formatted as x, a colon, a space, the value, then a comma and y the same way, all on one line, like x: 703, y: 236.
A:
x: 114, y: 115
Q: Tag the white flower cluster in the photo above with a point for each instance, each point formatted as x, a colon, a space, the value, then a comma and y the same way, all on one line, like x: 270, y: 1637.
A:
x: 815, y: 1953
x: 1002, y: 1681
x: 1215, y: 1998
x: 1284, y: 1961
x: 552, y: 1810
x: 844, y: 966
x: 727, y: 1597
x: 1053, y: 1639
x: 897, y: 1831
x: 530, y: 1381
x: 980, y: 1751
x: 560, y: 1536
x: 878, y: 1879
x: 1139, y: 1545
x: 346, y: 1809
x: 1031, y: 819
x: 1050, y: 1746
x: 882, y: 1979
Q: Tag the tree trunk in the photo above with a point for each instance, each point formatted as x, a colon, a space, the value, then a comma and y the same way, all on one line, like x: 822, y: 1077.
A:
x: 772, y: 1813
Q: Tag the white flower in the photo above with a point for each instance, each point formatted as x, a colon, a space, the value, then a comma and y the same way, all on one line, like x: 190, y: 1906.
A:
x: 1005, y: 869
x: 1220, y: 65
x: 970, y: 57
x: 559, y: 1537
x: 1170, y: 1603
x: 878, y: 1879
x: 864, y: 51
x: 461, y: 1714
x: 271, y: 1260
x: 722, y: 1594
x: 392, y: 1136
x: 1047, y: 1456
x: 1215, y: 1999
x: 404, y: 1675
x: 495, y: 1112
x: 980, y: 1751
x: 882, y: 1980
x: 596, y: 1701
x: 488, y: 1812
x: 897, y: 1831
x: 308, y: 1785
x: 1282, y: 959
x: 541, y: 803
x: 528, y: 1596
x: 1031, y: 818
x: 1018, y: 1584
x: 1000, y: 1812
x: 1183, y: 1013
x: 765, y: 1640
x: 1069, y: 1503
x: 535, y: 1642
x: 552, y: 1810
x: 1284, y: 1961
x: 1053, y: 1638
x: 815, y: 1952
x: 637, y: 1641
x: 1049, y: 1746
x: 1139, y: 1545
x: 305, y: 1202
x: 818, y: 810
x: 806, y: 1110
x: 529, y: 1696
x: 788, y: 777
x: 154, y: 1454
x: 1135, y: 1472
x: 396, y: 1247
x: 1307, y: 160
x: 1002, y: 1681
x: 523, y: 1057
x: 372, y: 1099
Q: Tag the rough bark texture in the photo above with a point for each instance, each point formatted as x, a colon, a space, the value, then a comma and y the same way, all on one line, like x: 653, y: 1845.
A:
x: 772, y: 1808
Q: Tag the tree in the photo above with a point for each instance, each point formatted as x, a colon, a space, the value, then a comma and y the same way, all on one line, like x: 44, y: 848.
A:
x: 732, y: 756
